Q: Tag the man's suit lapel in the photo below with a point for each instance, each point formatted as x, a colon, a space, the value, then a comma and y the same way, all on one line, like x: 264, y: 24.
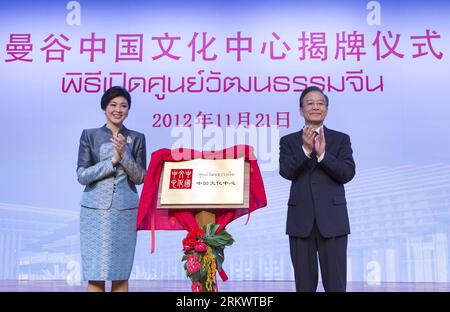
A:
x: 329, y: 138
x: 299, y: 140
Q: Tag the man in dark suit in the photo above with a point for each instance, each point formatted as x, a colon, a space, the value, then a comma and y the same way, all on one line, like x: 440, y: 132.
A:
x: 319, y: 162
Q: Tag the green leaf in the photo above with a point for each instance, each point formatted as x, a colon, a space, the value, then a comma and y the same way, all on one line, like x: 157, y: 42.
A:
x: 218, y: 255
x: 210, y: 229
x: 214, y: 228
x: 203, y: 273
x: 196, y: 276
x: 206, y: 229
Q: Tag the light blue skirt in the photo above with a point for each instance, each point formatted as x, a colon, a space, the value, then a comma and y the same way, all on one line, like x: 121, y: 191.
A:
x: 107, y: 241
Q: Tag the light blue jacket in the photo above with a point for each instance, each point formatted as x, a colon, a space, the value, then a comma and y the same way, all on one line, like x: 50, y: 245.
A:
x: 108, y: 186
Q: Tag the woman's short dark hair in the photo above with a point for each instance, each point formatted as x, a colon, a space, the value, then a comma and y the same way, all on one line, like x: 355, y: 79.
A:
x: 310, y: 89
x: 112, y: 93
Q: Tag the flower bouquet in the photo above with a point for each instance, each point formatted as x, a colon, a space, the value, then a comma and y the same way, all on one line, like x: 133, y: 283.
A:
x: 203, y: 255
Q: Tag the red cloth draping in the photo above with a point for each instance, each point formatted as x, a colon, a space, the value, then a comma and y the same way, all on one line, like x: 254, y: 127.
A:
x: 150, y: 218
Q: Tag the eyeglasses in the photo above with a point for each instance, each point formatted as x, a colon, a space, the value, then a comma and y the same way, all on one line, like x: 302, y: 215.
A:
x: 318, y: 104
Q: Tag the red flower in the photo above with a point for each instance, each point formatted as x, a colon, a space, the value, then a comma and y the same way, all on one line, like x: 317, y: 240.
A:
x: 191, y: 239
x: 196, y: 286
x: 193, y: 265
x: 188, y: 244
x: 193, y: 234
x: 200, y: 246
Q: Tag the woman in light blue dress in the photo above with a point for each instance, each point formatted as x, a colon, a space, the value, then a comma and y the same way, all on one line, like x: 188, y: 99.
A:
x: 111, y: 161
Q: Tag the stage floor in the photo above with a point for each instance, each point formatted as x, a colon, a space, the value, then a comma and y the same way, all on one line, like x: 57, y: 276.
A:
x: 229, y: 286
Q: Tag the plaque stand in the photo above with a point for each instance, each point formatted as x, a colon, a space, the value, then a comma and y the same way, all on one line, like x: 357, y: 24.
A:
x: 204, y: 217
